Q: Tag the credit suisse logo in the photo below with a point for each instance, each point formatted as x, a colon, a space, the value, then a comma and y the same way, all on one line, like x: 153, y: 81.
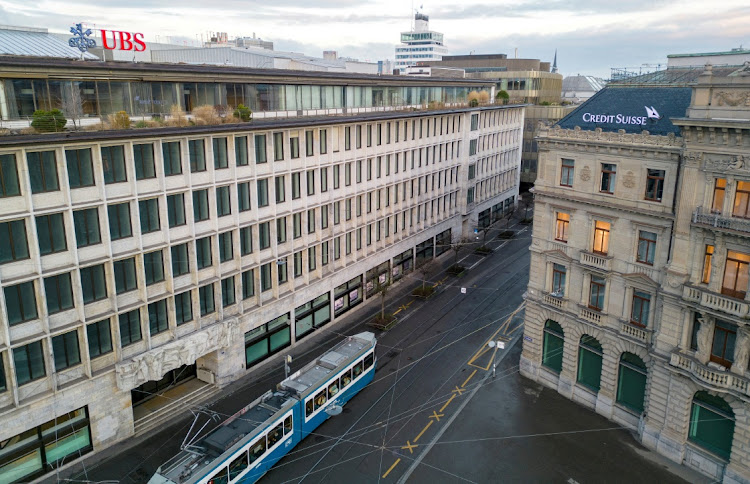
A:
x: 111, y: 40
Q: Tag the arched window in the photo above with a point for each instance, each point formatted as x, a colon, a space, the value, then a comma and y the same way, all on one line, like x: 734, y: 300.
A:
x: 712, y: 424
x: 590, y: 362
x: 631, y: 382
x: 552, y: 346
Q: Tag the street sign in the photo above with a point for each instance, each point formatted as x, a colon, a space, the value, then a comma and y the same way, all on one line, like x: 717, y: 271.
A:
x: 501, y: 345
x: 463, y: 290
x: 528, y: 338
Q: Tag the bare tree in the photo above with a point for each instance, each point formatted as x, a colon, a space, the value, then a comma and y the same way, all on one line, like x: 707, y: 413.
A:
x: 456, y: 246
x: 72, y: 103
x: 425, y: 267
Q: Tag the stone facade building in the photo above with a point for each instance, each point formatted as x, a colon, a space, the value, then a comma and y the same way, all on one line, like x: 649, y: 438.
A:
x: 638, y: 291
x: 138, y: 260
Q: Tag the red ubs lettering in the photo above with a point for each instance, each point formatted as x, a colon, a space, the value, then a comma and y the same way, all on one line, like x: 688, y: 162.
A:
x: 127, y: 41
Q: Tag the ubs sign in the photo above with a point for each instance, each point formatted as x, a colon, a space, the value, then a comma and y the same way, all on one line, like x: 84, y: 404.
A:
x: 112, y: 40
x: 651, y: 113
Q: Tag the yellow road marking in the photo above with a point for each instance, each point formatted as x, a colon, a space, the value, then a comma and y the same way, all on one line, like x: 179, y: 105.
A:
x: 485, y: 347
x: 410, y: 447
x: 409, y: 303
x: 423, y: 430
x: 391, y: 468
x: 514, y: 329
x: 470, y: 377
x: 437, y: 416
x: 397, y: 311
x: 403, y: 307
x: 458, y: 390
x: 448, y: 402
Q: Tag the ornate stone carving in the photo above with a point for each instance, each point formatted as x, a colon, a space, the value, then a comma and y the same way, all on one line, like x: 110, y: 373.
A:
x: 585, y: 174
x: 742, y: 351
x: 693, y: 158
x: 732, y: 98
x: 705, y: 334
x: 628, y: 181
x: 726, y: 163
x: 154, y: 364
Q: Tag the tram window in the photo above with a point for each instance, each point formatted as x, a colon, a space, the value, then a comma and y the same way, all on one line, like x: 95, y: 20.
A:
x: 219, y: 478
x: 357, y: 369
x: 257, y: 450
x: 309, y: 407
x: 368, y: 361
x: 238, y: 465
x: 320, y: 399
x: 275, y: 435
x: 333, y: 388
x: 346, y: 378
x: 288, y: 425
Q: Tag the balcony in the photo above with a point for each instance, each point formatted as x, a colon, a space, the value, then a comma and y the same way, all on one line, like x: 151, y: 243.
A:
x: 636, y: 332
x: 713, y: 378
x: 711, y: 300
x: 596, y: 260
x: 558, y: 302
x: 704, y: 217
x: 590, y: 315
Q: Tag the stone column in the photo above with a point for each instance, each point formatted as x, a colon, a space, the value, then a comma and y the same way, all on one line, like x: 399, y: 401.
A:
x: 606, y: 396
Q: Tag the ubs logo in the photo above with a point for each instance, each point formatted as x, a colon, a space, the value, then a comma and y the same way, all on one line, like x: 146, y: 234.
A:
x: 111, y: 39
x: 81, y: 41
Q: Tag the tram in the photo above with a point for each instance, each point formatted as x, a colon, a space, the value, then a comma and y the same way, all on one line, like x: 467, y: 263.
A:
x: 245, y: 446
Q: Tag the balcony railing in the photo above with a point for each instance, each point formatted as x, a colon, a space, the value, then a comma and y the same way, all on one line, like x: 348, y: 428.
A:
x: 709, y: 376
x: 711, y: 300
x: 719, y: 221
x: 636, y: 332
x: 555, y: 301
x: 591, y: 316
x: 596, y: 260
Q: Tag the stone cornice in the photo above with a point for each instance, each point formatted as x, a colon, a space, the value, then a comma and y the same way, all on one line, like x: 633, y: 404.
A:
x: 608, y: 140
x: 540, y: 194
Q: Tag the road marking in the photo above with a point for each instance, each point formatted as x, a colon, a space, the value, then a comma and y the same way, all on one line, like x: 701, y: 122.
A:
x: 409, y: 303
x: 410, y: 447
x: 397, y: 311
x: 391, y: 468
x: 423, y: 430
x: 514, y: 329
x: 437, y: 416
x: 448, y: 402
x: 458, y: 390
x: 470, y: 377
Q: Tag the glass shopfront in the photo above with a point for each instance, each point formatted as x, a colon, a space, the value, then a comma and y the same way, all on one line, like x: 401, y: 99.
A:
x: 346, y: 296
x: 266, y: 340
x: 312, y: 315
x: 402, y: 264
x: 377, y: 277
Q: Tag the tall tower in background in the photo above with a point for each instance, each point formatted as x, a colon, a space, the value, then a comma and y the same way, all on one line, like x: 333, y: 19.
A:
x: 420, y: 44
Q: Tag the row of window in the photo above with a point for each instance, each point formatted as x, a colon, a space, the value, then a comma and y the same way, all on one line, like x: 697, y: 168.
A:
x: 608, y: 174
x: 333, y: 387
x: 741, y: 202
x: 736, y: 272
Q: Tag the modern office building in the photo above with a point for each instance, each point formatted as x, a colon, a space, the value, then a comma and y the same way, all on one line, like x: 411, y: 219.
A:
x: 638, y: 292
x: 419, y: 44
x: 143, y: 259
x: 537, y: 117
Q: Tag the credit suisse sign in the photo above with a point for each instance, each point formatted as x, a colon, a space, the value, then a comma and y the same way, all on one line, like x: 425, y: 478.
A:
x: 651, y: 113
x: 111, y: 40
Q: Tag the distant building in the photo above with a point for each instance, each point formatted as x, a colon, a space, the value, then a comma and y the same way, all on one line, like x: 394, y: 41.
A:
x: 419, y: 44
x: 577, y: 89
x: 536, y: 118
x: 221, y: 39
x: 734, y: 57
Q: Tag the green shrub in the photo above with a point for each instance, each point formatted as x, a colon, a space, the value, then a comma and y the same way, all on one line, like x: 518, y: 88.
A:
x: 244, y: 113
x: 48, y: 121
x: 474, y: 103
x: 119, y: 120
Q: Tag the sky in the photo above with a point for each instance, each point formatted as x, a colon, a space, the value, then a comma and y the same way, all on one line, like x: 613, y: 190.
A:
x: 590, y: 36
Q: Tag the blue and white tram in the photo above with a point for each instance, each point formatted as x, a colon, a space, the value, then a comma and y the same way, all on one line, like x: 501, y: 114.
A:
x: 248, y: 444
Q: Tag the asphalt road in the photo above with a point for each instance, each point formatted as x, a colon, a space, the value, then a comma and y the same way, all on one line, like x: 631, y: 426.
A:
x: 434, y: 412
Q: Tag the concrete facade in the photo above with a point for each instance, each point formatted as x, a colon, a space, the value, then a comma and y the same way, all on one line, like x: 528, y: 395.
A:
x: 683, y: 253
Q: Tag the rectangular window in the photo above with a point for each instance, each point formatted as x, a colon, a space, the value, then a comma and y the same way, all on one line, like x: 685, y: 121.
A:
x: 119, y: 221
x: 646, y: 247
x: 324, y: 217
x: 264, y: 235
x: 311, y: 258
x: 309, y: 143
x: 130, y: 328
x: 474, y: 122
x: 723, y: 344
x: 720, y: 188
x: 15, y: 246
x: 50, y: 230
x: 240, y: 150
x: 294, y: 147
x: 149, y: 212
x: 654, y: 185
x: 227, y: 292
x: 183, y: 307
x: 176, y: 210
x: 735, y: 274
x: 298, y: 264
x: 203, y: 252
x: 609, y: 171
x: 158, y: 320
x: 9, y: 186
x: 206, y: 298
x: 281, y: 230
x: 558, y: 280
x: 278, y: 146
x: 59, y: 293
x: 153, y: 265
x: 100, y: 338
x: 741, y: 200
x: 279, y: 189
x: 246, y: 240
x: 641, y: 306
x: 65, y: 350
x: 348, y: 174
x: 336, y: 176
x: 200, y: 205
x: 601, y: 237
x: 197, y: 155
x: 243, y: 196
x: 143, y: 158
x: 297, y: 225
x: 265, y: 277
x: 80, y: 168
x: 323, y: 142
x: 226, y: 247
x: 358, y: 133
x: 347, y: 138
x: 260, y: 148
x: 472, y: 147
x: 172, y: 160
x: 93, y: 283
x: 295, y: 186
x: 567, y: 172
x: 125, y: 278
x: 220, y: 153
x: 180, y: 260
x: 596, y: 293
x: 113, y: 164
x: 42, y: 171
x: 561, y: 227
x: 359, y: 171
x: 29, y: 362
x: 310, y: 182
x: 281, y: 270
x: 311, y: 221
x: 20, y: 302
x: 324, y: 179
x: 324, y: 253
x: 707, y: 256
x: 248, y: 284
x: 223, y: 202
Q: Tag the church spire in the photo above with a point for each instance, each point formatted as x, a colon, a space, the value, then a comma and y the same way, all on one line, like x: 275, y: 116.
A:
x: 554, y: 63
